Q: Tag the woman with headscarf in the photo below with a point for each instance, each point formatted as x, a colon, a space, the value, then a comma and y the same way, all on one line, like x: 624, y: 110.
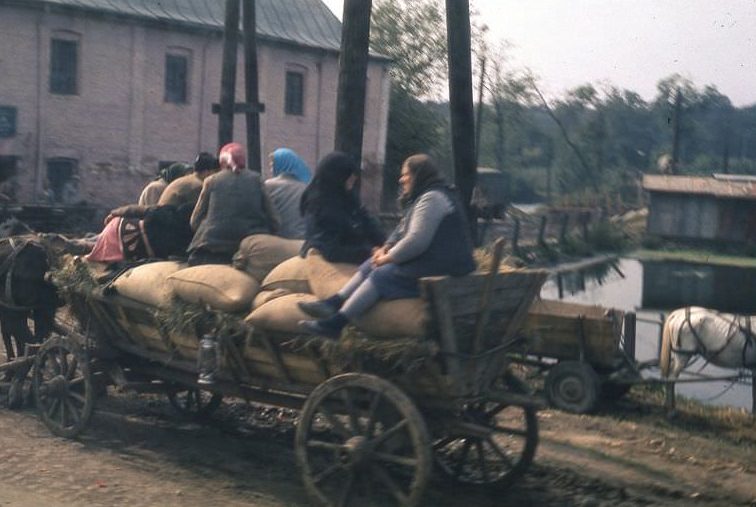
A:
x: 290, y: 178
x: 335, y: 222
x: 233, y: 204
x: 432, y: 239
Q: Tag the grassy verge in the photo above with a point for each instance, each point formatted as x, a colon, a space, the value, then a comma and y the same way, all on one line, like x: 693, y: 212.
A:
x: 694, y: 256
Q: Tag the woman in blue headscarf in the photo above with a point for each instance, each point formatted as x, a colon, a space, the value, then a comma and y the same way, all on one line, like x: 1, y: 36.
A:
x: 290, y: 178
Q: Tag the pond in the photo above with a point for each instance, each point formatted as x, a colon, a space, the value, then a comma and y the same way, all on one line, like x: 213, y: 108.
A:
x: 651, y: 288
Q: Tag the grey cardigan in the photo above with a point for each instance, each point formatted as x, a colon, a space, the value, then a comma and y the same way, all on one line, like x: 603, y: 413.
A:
x: 231, y: 206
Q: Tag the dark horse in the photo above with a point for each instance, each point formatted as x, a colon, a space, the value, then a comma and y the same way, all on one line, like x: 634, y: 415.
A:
x: 25, y: 293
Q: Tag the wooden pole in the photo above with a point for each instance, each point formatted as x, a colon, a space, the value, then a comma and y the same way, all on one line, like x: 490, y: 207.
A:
x: 479, y: 120
x: 676, y: 132
x: 251, y: 85
x: 461, y: 97
x: 228, y: 74
x: 353, y: 63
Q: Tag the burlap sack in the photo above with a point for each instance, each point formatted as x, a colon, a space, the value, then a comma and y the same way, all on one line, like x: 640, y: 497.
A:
x: 222, y: 287
x: 260, y: 253
x: 397, y: 318
x: 327, y: 278
x: 290, y: 275
x: 268, y: 295
x: 149, y: 283
x: 281, y: 314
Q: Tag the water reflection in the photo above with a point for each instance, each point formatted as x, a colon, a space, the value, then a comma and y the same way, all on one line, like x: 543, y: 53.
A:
x: 653, y: 288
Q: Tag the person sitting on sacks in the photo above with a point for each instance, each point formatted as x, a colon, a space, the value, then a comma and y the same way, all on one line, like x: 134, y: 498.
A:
x: 186, y: 189
x: 432, y: 239
x: 335, y: 222
x: 290, y: 178
x: 233, y: 204
x: 152, y: 192
x: 136, y: 232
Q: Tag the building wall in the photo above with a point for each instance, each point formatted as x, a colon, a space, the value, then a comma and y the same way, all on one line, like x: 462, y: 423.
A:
x: 118, y: 125
x: 701, y: 217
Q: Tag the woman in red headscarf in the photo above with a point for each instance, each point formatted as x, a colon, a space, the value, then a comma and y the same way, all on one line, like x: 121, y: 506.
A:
x: 233, y: 204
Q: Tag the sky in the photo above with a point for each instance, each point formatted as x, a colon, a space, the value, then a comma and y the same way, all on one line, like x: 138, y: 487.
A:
x: 631, y: 44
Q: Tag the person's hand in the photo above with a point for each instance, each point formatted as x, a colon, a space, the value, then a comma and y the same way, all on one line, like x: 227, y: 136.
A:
x: 382, y: 258
x: 378, y: 251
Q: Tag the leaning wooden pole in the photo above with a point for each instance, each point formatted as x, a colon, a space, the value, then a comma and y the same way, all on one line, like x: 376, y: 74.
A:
x: 251, y: 86
x: 461, y: 96
x: 353, y: 63
x: 228, y: 74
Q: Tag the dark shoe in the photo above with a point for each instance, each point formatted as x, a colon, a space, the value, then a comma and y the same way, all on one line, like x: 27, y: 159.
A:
x: 322, y: 309
x: 330, y: 328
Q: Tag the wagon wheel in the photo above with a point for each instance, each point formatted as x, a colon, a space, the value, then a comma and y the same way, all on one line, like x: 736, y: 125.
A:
x: 361, y: 441
x: 573, y: 386
x: 495, y: 443
x: 63, y: 388
x: 193, y: 403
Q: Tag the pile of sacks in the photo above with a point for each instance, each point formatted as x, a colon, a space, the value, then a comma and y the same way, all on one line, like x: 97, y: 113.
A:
x: 267, y: 281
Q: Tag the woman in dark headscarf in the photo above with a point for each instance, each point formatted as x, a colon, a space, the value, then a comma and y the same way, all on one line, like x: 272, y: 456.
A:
x: 335, y: 222
x: 432, y: 239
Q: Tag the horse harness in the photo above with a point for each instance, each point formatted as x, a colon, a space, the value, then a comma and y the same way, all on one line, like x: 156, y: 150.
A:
x: 6, y: 269
x: 750, y: 339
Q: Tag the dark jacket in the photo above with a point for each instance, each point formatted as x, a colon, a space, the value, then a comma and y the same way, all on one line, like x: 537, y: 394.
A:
x: 342, y: 231
x: 231, y: 206
x: 166, y: 227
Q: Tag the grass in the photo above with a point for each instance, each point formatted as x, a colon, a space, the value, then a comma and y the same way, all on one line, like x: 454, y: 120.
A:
x: 695, y: 256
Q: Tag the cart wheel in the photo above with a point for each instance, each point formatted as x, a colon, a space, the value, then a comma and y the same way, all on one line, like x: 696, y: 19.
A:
x: 361, y: 441
x: 573, y: 386
x: 497, y: 447
x: 194, y: 403
x: 16, y: 393
x: 63, y: 387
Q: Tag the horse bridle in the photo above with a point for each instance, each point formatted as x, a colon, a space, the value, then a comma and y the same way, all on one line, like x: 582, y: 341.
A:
x: 6, y: 269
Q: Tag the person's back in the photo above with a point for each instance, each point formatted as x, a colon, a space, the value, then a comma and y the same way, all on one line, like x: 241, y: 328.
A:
x: 183, y: 190
x: 234, y: 209
x: 152, y: 192
x: 285, y: 194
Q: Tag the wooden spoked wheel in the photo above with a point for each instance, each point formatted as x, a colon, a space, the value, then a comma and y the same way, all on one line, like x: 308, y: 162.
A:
x: 361, y: 441
x: 62, y: 385
x: 493, y: 443
x: 193, y: 403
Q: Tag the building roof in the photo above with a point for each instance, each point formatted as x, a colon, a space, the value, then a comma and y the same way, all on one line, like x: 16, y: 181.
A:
x: 730, y: 187
x: 303, y: 22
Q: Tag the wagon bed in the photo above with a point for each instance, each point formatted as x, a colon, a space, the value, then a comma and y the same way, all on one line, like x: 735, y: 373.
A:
x: 363, y: 415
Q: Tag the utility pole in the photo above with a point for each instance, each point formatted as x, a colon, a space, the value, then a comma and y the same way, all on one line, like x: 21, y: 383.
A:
x: 461, y: 97
x: 353, y: 63
x: 228, y: 74
x: 251, y: 86
x: 676, y: 118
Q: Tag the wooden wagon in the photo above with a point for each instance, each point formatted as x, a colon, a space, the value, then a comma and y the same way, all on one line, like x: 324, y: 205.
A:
x: 588, y: 352
x: 369, y: 429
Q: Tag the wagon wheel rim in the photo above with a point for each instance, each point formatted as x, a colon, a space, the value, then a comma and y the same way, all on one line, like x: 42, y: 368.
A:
x: 193, y: 402
x: 361, y: 440
x: 62, y: 385
x: 499, y: 449
x: 573, y: 386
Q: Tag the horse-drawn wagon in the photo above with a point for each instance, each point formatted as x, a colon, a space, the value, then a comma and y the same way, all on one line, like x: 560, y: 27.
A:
x: 375, y: 414
x: 587, y: 352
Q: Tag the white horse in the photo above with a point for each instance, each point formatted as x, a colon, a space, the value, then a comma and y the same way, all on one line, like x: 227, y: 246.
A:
x: 723, y: 339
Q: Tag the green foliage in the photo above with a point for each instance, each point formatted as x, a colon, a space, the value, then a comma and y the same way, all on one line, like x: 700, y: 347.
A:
x: 413, y: 34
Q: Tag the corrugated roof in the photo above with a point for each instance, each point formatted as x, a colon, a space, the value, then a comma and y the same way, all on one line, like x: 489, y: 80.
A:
x: 304, y: 22
x: 722, y: 188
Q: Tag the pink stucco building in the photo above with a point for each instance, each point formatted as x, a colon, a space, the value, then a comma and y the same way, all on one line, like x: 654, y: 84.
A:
x: 107, y: 90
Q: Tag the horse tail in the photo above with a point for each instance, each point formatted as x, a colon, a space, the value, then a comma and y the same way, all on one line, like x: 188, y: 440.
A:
x: 670, y: 328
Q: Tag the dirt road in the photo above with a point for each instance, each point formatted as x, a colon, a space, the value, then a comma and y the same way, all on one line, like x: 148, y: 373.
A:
x: 137, y: 453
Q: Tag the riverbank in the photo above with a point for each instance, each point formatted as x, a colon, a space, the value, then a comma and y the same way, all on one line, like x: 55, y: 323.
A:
x: 694, y: 257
